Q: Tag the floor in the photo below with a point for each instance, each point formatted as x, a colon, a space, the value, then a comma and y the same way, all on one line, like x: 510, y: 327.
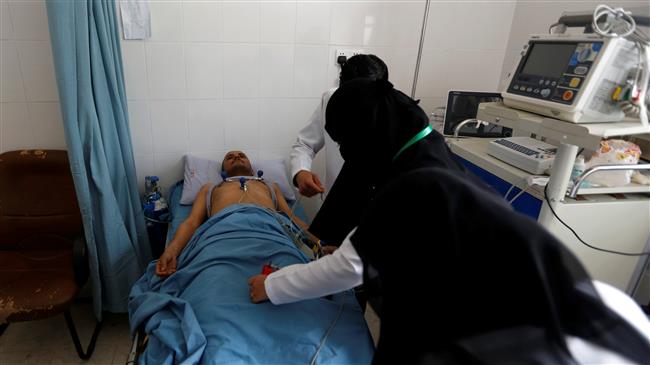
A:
x: 48, y: 341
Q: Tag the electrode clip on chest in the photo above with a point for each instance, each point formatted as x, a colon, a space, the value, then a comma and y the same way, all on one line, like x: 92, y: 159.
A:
x: 242, y: 179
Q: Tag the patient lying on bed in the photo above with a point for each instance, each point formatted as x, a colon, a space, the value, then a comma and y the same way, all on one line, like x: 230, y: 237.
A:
x: 212, y: 199
x: 195, y: 305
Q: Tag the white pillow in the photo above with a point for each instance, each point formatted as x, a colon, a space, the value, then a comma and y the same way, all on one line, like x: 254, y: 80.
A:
x: 200, y: 171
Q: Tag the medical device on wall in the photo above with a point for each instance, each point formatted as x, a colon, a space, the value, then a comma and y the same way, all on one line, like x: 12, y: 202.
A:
x: 528, y: 154
x: 583, y: 78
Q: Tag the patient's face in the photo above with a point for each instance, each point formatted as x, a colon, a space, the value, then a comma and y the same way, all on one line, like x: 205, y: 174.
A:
x: 236, y: 163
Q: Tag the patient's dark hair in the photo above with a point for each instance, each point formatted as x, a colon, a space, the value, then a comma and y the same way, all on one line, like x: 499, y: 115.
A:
x: 367, y: 66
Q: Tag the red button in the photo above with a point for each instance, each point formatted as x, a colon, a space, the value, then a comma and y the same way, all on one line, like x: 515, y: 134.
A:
x: 568, y: 95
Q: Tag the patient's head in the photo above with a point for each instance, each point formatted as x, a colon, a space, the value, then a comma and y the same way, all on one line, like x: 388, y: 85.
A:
x: 236, y: 163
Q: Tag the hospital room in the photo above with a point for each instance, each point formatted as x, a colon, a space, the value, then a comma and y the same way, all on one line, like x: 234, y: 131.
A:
x: 324, y: 182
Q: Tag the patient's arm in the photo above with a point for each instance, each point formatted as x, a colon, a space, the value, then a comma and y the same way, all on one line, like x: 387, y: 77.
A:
x: 167, y: 263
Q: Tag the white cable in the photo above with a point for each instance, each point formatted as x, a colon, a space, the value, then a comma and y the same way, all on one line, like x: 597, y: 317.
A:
x: 242, y: 196
x: 621, y: 17
x: 517, y: 195
x: 638, y: 106
x: 509, y: 191
x: 643, y: 108
x: 329, y: 329
x: 295, y: 204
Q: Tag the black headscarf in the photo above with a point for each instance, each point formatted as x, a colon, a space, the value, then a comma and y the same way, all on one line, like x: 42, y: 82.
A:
x: 371, y: 121
x: 465, y: 279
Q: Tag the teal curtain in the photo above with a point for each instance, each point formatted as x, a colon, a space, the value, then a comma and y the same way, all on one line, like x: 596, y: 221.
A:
x: 88, y: 64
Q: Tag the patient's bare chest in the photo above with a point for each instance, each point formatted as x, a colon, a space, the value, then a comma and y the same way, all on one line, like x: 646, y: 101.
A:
x: 231, y: 193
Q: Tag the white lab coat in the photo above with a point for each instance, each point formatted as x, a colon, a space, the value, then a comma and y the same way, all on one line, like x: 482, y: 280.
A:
x: 311, y: 139
x: 330, y: 274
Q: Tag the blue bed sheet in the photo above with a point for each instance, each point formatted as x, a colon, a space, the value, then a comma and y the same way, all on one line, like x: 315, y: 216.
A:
x: 202, y: 313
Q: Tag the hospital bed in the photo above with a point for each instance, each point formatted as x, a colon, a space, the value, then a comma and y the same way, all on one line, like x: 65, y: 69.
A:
x: 206, y: 315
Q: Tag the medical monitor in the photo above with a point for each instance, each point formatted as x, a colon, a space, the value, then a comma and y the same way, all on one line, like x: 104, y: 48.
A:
x: 572, y: 77
x: 462, y: 105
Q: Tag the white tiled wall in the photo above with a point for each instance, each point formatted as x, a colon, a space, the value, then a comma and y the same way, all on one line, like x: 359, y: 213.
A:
x: 29, y: 110
x: 248, y: 74
x: 464, y: 48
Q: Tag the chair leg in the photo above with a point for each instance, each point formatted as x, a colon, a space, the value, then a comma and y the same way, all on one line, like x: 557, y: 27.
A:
x: 3, y: 327
x: 75, y: 338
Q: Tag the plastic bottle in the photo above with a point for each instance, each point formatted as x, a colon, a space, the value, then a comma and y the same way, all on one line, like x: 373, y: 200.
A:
x: 154, y: 204
x: 578, y: 168
x: 150, y: 185
x: 156, y: 213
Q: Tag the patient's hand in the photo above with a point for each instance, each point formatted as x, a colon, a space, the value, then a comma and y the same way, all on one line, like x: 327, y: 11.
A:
x: 308, y: 183
x: 257, y: 289
x: 329, y: 249
x: 166, y: 264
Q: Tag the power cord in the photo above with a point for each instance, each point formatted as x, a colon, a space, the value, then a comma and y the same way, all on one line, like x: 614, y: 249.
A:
x: 580, y: 239
x: 327, y: 333
x: 509, y: 191
x: 520, y: 193
x: 516, y: 196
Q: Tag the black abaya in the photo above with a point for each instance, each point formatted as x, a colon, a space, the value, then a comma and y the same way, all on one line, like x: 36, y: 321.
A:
x: 465, y: 279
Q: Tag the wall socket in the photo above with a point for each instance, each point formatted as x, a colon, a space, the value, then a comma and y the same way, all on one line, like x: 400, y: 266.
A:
x: 347, y: 53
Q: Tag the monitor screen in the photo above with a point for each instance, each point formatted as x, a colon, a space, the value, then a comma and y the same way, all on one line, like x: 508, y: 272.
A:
x: 548, y: 59
x: 463, y: 105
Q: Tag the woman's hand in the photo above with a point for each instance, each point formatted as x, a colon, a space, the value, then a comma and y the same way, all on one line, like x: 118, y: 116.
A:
x: 166, y: 264
x: 327, y: 250
x: 257, y: 289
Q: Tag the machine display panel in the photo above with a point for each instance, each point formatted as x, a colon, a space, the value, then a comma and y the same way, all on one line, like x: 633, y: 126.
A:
x: 548, y: 59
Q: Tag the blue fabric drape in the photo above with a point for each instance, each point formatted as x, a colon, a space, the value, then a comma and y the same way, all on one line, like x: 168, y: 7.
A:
x: 88, y: 64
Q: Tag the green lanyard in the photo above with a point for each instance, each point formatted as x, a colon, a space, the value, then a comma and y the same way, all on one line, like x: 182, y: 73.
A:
x: 423, y: 133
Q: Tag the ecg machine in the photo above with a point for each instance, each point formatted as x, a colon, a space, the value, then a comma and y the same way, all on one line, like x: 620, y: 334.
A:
x: 526, y: 153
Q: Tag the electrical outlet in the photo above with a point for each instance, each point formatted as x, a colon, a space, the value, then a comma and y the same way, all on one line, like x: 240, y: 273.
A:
x: 347, y: 53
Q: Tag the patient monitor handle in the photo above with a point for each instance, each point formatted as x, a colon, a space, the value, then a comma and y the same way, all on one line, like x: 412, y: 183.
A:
x: 576, y: 19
